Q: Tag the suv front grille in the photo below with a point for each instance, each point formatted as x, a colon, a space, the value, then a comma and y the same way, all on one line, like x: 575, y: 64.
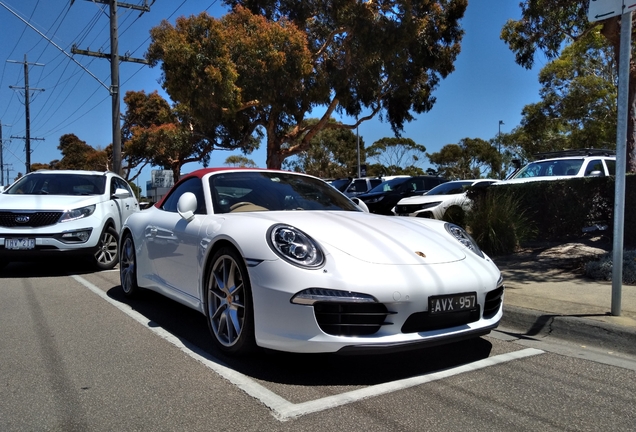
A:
x: 350, y: 319
x: 33, y: 219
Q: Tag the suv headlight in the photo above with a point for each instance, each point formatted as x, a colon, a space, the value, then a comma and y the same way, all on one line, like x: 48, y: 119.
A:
x: 295, y: 247
x: 374, y: 200
x: 463, y: 237
x: 75, y: 214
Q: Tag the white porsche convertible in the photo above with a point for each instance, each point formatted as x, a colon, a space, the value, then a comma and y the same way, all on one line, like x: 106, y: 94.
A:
x: 284, y: 261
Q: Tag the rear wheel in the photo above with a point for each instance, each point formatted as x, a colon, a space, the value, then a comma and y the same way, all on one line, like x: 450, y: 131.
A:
x: 106, y: 255
x: 128, y: 267
x: 228, y: 303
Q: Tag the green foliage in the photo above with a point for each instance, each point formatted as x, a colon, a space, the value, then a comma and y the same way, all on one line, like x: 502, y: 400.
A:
x: 332, y: 153
x: 267, y: 64
x: 470, y: 159
x: 601, y: 268
x: 498, y: 222
x: 395, y: 156
x: 240, y: 161
x: 157, y: 134
x: 556, y: 210
x: 578, y: 100
x: 78, y: 155
x: 562, y: 208
x: 549, y: 26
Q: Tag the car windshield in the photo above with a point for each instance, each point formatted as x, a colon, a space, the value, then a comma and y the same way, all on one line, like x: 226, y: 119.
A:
x: 58, y: 184
x: 450, y: 188
x: 550, y: 168
x: 340, y: 184
x: 258, y: 191
x: 389, y: 185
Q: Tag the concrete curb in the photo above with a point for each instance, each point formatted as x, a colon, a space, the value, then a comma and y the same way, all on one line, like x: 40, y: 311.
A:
x: 586, y: 331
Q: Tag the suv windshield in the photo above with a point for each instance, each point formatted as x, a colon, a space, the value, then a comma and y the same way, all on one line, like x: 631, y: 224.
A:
x: 450, y: 188
x: 340, y: 184
x: 58, y: 184
x: 549, y: 168
x: 389, y: 185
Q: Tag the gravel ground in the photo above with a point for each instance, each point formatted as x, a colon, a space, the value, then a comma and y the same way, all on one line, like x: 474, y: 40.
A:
x: 588, y: 256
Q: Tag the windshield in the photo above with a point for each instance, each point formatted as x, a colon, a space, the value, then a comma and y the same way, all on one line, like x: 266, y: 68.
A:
x: 550, y: 168
x: 450, y: 188
x: 58, y: 184
x: 389, y: 185
x: 340, y: 184
x: 259, y: 191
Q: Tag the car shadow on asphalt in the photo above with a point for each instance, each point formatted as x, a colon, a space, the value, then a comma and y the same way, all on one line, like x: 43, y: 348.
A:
x: 191, y: 328
x: 47, y: 267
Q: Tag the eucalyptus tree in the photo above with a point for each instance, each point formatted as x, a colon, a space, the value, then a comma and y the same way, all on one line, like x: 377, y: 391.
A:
x: 553, y: 27
x: 267, y: 64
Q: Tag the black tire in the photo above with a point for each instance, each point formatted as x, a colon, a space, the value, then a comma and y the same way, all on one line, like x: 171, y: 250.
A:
x: 106, y: 255
x: 228, y: 303
x: 128, y: 267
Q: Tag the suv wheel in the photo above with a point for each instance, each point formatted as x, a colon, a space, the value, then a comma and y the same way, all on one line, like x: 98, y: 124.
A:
x: 106, y: 256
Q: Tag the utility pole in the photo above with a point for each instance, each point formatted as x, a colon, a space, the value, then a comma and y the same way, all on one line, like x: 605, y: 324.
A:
x: 1, y: 157
x: 27, y: 93
x: 114, y: 71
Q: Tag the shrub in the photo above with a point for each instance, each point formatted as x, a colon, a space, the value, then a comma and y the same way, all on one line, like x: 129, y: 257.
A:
x: 601, y: 269
x: 497, y: 222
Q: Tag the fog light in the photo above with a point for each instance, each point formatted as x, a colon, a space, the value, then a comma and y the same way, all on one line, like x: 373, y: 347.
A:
x: 76, y: 236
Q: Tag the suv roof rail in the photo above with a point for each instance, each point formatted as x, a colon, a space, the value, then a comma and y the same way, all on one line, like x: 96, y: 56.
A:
x: 575, y: 152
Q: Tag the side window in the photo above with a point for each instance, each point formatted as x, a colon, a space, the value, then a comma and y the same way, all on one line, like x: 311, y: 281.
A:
x: 611, y: 166
x: 191, y: 185
x: 117, y: 183
x: 374, y: 183
x: 358, y: 186
x: 594, y: 165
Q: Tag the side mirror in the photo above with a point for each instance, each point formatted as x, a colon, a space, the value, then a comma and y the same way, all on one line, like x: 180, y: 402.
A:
x: 360, y: 204
x: 121, y: 193
x: 596, y: 174
x: 187, y: 205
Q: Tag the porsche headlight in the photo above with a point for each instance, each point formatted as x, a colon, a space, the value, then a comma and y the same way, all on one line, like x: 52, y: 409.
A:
x: 463, y: 237
x: 71, y: 215
x: 295, y: 247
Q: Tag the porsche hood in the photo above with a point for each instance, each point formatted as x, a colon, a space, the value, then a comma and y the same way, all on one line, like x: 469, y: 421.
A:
x: 376, y: 239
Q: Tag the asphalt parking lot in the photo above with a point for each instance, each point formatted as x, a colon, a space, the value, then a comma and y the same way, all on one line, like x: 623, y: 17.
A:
x: 90, y: 359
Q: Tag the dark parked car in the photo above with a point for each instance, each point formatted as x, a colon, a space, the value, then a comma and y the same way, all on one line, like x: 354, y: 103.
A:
x: 355, y: 186
x: 382, y: 198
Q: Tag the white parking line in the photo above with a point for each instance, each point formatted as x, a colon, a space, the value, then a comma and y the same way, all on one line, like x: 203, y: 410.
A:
x: 282, y: 409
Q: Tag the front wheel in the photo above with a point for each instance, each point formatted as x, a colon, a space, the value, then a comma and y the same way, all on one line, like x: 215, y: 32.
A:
x: 128, y: 267
x: 228, y: 303
x: 106, y: 256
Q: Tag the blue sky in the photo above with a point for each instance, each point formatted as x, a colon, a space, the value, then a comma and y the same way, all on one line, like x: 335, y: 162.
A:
x: 486, y: 87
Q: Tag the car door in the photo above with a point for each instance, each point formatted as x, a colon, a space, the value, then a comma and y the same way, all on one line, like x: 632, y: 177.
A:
x: 173, y: 242
x: 126, y: 205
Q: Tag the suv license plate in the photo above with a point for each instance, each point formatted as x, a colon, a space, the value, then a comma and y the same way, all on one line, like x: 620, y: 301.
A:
x: 452, y: 303
x: 19, y: 243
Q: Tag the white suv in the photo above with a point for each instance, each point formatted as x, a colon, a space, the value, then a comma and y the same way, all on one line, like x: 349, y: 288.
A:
x: 64, y: 212
x: 567, y: 164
